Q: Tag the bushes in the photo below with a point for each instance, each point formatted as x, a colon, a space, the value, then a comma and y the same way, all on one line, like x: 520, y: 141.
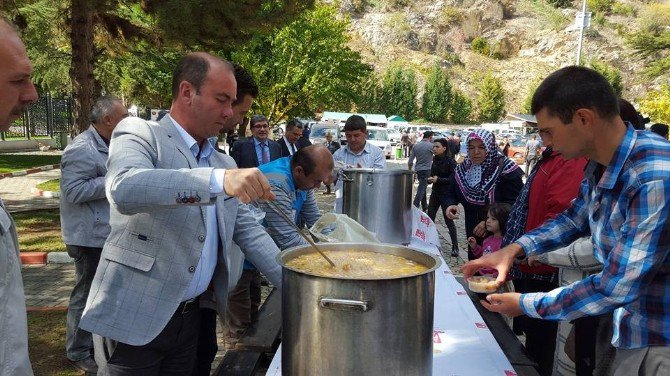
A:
x: 623, y: 9
x: 612, y: 75
x: 481, y: 45
x: 600, y: 6
x: 656, y: 104
x: 560, y: 3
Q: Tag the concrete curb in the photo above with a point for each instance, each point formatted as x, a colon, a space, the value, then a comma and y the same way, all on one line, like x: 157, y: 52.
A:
x: 29, y: 171
x: 43, y: 258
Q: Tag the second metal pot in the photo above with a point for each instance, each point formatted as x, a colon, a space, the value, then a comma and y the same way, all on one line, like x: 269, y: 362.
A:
x: 381, y: 201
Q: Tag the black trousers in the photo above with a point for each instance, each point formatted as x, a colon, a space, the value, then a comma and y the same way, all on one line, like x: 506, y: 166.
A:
x: 540, y: 334
x: 207, y: 346
x: 434, y: 203
x: 172, y: 352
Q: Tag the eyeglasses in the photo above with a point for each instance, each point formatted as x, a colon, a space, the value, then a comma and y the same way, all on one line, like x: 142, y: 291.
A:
x: 261, y: 126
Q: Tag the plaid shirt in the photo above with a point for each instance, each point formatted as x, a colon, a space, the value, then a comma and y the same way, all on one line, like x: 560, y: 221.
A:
x: 625, y: 207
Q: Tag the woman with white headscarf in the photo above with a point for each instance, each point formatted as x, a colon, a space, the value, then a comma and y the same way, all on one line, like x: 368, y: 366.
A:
x: 485, y: 177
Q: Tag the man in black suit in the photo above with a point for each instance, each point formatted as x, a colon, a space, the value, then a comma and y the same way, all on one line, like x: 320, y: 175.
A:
x: 292, y: 140
x: 258, y: 149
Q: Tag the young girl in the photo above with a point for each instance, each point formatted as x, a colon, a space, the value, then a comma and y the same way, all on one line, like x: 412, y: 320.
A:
x: 496, y: 223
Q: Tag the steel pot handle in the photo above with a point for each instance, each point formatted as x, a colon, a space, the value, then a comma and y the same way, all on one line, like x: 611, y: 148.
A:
x: 343, y: 304
x: 345, y: 178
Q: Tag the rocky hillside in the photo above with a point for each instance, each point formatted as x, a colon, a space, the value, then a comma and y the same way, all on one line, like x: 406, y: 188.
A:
x: 529, y: 39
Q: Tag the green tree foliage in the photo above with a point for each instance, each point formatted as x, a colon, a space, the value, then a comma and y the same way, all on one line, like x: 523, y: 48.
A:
x: 399, y: 92
x: 528, y: 101
x: 656, y: 104
x: 491, y: 99
x: 612, y: 75
x: 461, y: 108
x: 96, y: 36
x: 369, y: 99
x: 217, y: 23
x: 305, y: 66
x: 652, y: 40
x: 436, y: 96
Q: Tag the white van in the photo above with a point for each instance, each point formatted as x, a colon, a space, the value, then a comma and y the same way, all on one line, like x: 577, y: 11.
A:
x: 379, y: 136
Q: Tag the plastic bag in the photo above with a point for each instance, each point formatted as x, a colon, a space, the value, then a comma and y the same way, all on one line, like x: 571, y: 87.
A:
x: 333, y: 227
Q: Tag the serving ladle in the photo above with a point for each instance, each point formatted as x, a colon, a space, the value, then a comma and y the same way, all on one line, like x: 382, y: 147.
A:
x: 288, y: 220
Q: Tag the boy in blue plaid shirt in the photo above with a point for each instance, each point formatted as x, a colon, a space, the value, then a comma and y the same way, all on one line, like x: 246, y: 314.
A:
x: 624, y: 204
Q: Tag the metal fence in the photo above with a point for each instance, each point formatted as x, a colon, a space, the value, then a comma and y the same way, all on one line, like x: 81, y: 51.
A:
x: 48, y: 117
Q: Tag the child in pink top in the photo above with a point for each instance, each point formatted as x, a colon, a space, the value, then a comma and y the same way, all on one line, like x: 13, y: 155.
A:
x: 496, y: 223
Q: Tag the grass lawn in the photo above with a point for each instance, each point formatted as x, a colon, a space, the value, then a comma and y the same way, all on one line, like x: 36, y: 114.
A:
x: 46, y: 344
x: 50, y: 185
x: 39, y: 231
x: 14, y: 162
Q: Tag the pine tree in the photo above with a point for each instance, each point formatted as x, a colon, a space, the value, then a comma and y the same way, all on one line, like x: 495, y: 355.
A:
x: 491, y: 100
x: 461, y: 108
x: 436, y: 96
x: 399, y: 91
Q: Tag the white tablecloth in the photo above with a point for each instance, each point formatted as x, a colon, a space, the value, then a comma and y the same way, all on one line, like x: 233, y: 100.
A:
x: 462, y: 344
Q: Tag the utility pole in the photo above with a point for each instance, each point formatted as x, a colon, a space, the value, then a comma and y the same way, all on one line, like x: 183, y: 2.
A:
x: 582, y: 25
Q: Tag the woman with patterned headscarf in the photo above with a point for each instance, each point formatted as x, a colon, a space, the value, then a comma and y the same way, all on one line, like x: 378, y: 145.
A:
x: 485, y: 177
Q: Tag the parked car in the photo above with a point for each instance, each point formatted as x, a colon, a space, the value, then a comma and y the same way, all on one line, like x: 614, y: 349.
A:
x: 379, y: 136
x: 318, y: 134
x: 517, y: 150
x: 394, y: 136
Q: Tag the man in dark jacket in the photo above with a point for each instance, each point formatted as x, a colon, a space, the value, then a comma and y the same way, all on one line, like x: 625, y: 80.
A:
x: 258, y: 149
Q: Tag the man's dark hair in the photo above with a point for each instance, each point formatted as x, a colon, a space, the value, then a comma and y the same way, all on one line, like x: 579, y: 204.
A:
x: 191, y: 68
x: 257, y: 119
x: 660, y: 129
x: 500, y: 211
x: 628, y: 113
x: 428, y: 134
x: 293, y: 123
x: 571, y: 88
x: 245, y: 84
x: 355, y: 123
x: 304, y: 157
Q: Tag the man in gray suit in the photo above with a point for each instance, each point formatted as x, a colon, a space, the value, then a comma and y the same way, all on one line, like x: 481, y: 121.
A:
x: 84, y: 217
x: 176, y: 207
x: 16, y: 92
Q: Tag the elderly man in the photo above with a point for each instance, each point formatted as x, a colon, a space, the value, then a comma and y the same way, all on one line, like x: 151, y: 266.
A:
x: 292, y: 140
x: 293, y: 181
x: 623, y: 203
x: 423, y: 152
x: 258, y: 149
x: 176, y: 207
x: 357, y: 153
x: 17, y: 92
x: 84, y: 216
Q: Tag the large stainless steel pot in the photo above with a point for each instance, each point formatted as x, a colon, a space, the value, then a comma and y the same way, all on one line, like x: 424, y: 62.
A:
x: 337, y: 326
x: 381, y: 201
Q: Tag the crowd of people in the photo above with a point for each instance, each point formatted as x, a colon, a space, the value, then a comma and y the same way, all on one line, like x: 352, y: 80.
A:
x: 169, y: 233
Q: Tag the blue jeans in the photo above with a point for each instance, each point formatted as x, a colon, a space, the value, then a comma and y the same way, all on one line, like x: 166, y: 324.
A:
x: 420, y: 197
x: 78, y: 342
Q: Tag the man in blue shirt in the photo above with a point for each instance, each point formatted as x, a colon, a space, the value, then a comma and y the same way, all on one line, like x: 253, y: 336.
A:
x: 293, y: 180
x: 623, y: 204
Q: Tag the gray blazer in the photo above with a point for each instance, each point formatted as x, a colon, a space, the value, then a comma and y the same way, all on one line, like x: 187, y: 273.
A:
x: 156, y: 240
x: 13, y: 326
x: 84, y: 209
